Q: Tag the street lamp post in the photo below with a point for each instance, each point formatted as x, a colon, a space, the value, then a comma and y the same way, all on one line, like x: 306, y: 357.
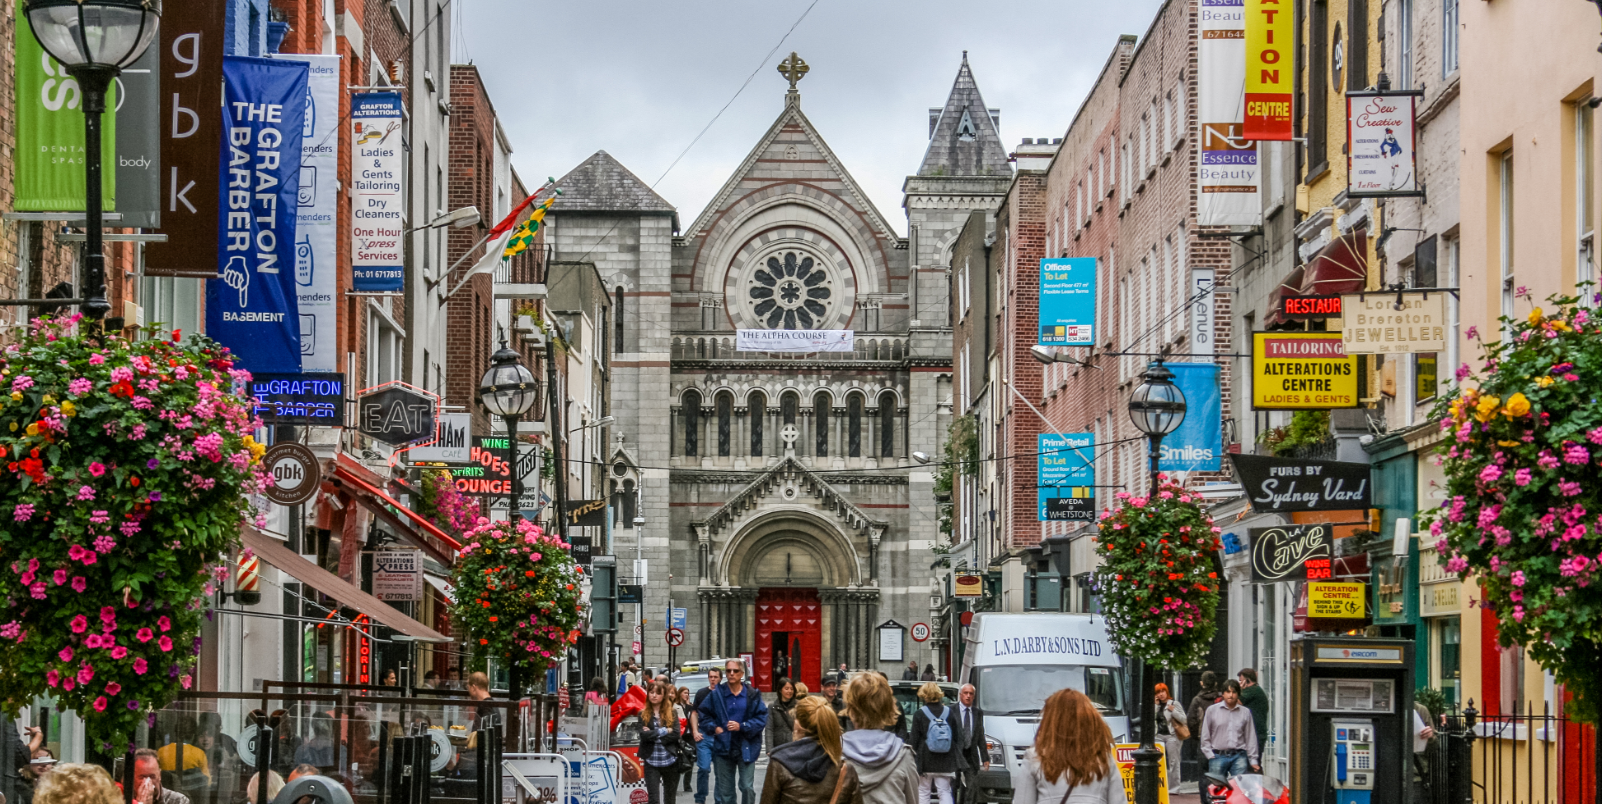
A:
x: 1157, y: 407
x: 94, y: 40
x: 509, y: 390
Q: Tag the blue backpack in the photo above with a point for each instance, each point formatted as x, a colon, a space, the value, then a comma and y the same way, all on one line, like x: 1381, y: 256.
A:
x: 938, y: 738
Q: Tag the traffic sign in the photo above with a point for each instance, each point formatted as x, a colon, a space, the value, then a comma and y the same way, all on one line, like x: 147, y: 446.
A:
x: 677, y: 618
x: 675, y: 637
x: 920, y: 632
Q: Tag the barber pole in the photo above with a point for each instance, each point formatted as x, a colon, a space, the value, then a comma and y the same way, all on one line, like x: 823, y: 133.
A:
x: 248, y: 578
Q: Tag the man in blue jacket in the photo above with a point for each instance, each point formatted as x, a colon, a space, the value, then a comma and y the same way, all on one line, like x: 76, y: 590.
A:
x: 737, y: 716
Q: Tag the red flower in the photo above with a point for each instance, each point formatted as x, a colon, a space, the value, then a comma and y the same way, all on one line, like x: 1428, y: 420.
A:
x: 122, y: 388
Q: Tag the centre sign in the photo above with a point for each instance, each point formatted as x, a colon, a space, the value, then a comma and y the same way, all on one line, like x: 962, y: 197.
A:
x: 1303, y: 371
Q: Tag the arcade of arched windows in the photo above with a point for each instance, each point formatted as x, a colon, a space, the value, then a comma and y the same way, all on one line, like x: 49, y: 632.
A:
x: 862, y: 428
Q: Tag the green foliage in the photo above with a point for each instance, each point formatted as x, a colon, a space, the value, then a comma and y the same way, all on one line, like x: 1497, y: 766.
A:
x: 1308, y: 428
x: 1435, y: 702
x: 960, y: 456
x: 1522, y: 474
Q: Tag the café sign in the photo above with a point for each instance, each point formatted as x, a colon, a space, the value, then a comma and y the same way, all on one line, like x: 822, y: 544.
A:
x: 397, y: 413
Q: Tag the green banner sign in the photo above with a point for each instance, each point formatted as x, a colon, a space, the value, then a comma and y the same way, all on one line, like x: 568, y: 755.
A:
x: 50, y: 132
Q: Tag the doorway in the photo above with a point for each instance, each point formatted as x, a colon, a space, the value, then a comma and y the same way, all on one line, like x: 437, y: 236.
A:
x: 789, y: 624
x: 788, y: 657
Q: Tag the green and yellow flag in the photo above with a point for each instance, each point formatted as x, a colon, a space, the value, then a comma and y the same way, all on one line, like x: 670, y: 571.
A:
x: 524, y: 236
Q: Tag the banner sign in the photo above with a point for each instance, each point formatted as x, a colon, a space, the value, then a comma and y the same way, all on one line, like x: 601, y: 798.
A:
x: 1290, y: 485
x: 1311, y: 307
x: 1292, y: 553
x: 1269, y: 85
x: 1228, y: 164
x: 1303, y: 371
x: 378, y: 200
x: 1195, y: 446
x: 315, y: 221
x: 793, y: 340
x: 452, y: 432
x: 1068, y: 302
x: 396, y: 413
x: 1381, y: 145
x: 1372, y: 324
x: 49, y: 159
x: 1064, y: 478
x: 190, y: 45
x: 587, y: 513
x: 398, y: 574
x: 1202, y: 329
x: 316, y: 400
x: 1336, y: 600
x: 296, y: 473
x: 968, y: 584
x: 251, y: 306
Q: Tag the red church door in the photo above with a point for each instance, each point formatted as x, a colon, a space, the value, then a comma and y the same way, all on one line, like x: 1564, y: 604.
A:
x: 788, y: 628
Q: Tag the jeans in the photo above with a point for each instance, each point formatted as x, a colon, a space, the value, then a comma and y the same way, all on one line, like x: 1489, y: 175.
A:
x: 667, y: 778
x: 724, y: 769
x: 942, y: 783
x: 1229, y: 764
x: 704, y: 763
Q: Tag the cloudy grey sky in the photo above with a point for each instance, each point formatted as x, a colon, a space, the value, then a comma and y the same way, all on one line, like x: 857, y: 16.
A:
x: 640, y: 79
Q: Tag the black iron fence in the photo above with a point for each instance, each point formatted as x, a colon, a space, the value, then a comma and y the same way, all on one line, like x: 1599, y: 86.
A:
x: 1529, y: 757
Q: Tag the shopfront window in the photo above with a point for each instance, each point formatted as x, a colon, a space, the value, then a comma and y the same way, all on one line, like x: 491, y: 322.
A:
x: 1445, y: 659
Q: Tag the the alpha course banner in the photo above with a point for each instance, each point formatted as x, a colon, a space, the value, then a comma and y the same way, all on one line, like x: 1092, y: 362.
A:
x: 1065, y: 476
x: 793, y: 340
x: 378, y: 197
x: 1195, y: 445
x: 1228, y: 167
x: 251, y: 307
x: 316, y: 232
x: 1269, y: 85
x: 1068, y: 302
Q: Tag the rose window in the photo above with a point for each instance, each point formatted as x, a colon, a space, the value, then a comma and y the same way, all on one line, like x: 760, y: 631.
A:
x: 790, y: 291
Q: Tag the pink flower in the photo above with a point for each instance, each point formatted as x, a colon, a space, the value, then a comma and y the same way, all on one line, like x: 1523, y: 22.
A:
x: 79, y: 584
x: 80, y: 386
x: 22, y: 513
x: 1575, y: 453
x: 92, y: 641
x: 140, y: 666
x: 1490, y: 474
x: 144, y: 635
x: 163, y: 623
x: 1569, y: 489
x: 184, y: 681
x: 52, y: 677
x: 100, y: 704
x: 1456, y: 564
x: 1546, y: 460
x: 22, y: 383
x: 122, y: 374
x: 108, y: 614
x: 1518, y: 579
x: 86, y: 674
x: 80, y: 624
x: 65, y: 654
x: 68, y: 684
x: 97, y: 468
x: 118, y: 652
x: 60, y: 577
x: 85, y: 493
x: 1523, y: 476
x: 165, y: 643
x: 97, y: 359
x: 113, y: 688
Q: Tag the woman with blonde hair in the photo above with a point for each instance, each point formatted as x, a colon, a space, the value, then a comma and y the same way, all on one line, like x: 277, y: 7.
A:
x: 809, y: 770
x: 659, y: 743
x: 887, y: 772
x: 1072, y: 761
x: 937, y: 768
x: 275, y: 783
x: 76, y: 784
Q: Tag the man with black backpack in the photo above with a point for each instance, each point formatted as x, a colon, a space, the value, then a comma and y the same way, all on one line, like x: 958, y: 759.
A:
x: 938, y: 739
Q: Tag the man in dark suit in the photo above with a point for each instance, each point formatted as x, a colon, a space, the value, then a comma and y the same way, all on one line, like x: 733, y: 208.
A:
x: 975, y: 756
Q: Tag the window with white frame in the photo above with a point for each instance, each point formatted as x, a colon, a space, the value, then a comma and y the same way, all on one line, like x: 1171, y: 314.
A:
x: 1406, y: 44
x: 1172, y: 121
x: 963, y: 289
x: 1506, y: 235
x: 1450, y: 37
x: 1180, y: 104
x: 1080, y: 202
x: 1154, y: 133
x: 1586, y: 203
x: 172, y: 301
x: 1450, y: 276
x: 1125, y: 169
x: 384, y: 349
x: 1103, y: 175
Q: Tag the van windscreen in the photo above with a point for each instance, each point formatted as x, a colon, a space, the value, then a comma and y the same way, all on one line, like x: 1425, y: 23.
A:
x: 1021, y: 689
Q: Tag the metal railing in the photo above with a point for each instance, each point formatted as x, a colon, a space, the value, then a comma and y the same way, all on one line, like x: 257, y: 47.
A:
x: 1530, y: 757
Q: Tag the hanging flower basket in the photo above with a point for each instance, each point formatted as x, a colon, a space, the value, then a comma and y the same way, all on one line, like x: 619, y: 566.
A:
x: 124, y: 467
x: 1157, y: 581
x: 1521, y: 509
x: 517, y: 593
x: 441, y: 502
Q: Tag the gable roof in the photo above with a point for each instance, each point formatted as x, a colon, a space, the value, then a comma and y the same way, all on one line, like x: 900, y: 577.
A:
x: 602, y: 184
x: 964, y: 140
x: 790, y: 469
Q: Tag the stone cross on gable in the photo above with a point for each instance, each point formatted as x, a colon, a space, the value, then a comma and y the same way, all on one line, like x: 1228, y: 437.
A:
x: 793, y: 68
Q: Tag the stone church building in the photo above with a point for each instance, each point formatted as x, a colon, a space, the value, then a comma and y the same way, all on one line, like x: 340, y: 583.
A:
x: 783, y: 504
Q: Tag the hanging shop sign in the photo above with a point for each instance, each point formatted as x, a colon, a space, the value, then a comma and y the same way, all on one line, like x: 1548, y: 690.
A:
x: 295, y: 473
x: 1068, y: 302
x: 968, y: 584
x: 49, y: 156
x: 1202, y: 324
x: 316, y: 400
x: 316, y: 219
x: 251, y: 307
x: 450, y: 445
x: 1291, y: 485
x: 1393, y: 323
x: 487, y: 473
x: 1336, y: 600
x: 1291, y: 553
x: 793, y: 340
x: 1381, y: 145
x: 396, y: 413
x: 189, y: 47
x: 378, y: 193
x: 1269, y: 85
x: 587, y: 513
x: 1064, y: 478
x: 1228, y: 169
x: 1303, y: 371
x: 1304, y: 307
x: 1195, y: 446
x: 398, y: 574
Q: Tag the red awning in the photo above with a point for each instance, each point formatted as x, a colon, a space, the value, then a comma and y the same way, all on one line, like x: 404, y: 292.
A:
x: 1340, y: 267
x: 440, y: 546
x: 1291, y: 286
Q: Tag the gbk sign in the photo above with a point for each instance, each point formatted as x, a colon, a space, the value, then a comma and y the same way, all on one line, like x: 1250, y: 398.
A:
x: 396, y: 413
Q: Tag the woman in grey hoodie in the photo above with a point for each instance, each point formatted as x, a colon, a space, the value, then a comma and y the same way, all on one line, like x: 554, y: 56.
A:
x: 886, y: 770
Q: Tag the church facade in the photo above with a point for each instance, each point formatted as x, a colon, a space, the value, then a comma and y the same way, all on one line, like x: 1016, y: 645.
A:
x: 782, y: 499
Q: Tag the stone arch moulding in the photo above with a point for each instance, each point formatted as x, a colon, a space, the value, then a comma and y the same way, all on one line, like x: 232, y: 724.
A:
x: 722, y: 245
x: 797, y: 526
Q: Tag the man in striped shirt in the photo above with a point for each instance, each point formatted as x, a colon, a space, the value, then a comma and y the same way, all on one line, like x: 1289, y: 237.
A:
x: 1229, y: 740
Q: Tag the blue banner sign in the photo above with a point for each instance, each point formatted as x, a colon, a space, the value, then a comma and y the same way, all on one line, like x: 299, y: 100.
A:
x: 251, y: 307
x: 311, y: 399
x: 1195, y: 445
x: 1065, y: 475
x: 1068, y: 302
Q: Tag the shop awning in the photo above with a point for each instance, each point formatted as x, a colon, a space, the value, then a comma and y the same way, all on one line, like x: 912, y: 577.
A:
x: 444, y: 585
x: 274, y: 552
x: 1291, y: 286
x: 1338, y: 268
x: 420, y: 531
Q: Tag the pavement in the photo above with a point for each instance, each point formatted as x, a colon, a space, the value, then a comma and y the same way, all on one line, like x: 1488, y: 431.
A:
x: 763, y: 766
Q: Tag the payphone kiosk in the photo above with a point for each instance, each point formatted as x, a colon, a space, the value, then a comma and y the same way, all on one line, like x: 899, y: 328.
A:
x: 1352, y: 713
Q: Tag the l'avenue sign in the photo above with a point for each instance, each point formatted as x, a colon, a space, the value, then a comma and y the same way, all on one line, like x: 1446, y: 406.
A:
x: 1289, y: 485
x: 1291, y: 553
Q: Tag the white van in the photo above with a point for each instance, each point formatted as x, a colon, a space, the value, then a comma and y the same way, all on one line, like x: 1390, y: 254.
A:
x: 1016, y: 661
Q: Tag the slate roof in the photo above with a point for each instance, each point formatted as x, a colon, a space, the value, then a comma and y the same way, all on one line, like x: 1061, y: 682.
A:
x: 965, y: 141
x: 602, y: 184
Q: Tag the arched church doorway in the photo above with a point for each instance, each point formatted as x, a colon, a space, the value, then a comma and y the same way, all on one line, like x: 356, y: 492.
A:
x: 788, y: 624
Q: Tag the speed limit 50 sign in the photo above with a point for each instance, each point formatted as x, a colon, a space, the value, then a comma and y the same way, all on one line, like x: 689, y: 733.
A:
x: 920, y: 632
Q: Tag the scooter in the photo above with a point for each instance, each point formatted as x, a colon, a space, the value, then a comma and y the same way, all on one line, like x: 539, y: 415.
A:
x: 1249, y: 788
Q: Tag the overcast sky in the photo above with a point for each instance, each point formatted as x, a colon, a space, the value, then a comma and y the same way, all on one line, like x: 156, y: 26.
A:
x: 640, y: 79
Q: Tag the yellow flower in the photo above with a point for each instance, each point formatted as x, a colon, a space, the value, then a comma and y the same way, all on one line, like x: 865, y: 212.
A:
x: 1509, y: 443
x: 13, y: 427
x: 1536, y: 316
x: 256, y: 449
x: 1559, y: 325
x: 16, y: 396
x: 1486, y: 407
x: 1517, y: 406
x: 49, y: 399
x: 33, y: 429
x: 68, y: 409
x: 1543, y: 382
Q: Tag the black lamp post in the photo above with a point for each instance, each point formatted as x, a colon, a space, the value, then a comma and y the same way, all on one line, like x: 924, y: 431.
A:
x: 509, y: 390
x: 1157, y: 407
x: 94, y: 40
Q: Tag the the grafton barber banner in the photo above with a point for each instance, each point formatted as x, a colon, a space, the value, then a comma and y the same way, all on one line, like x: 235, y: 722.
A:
x: 793, y: 340
x: 251, y: 307
x: 1269, y: 85
x: 1291, y: 553
x: 1065, y: 478
x: 378, y: 194
x: 1067, y: 304
x: 1289, y: 485
x: 1391, y: 323
x: 316, y: 227
x: 1303, y: 371
x: 1381, y: 144
x: 1228, y: 164
x: 1195, y: 445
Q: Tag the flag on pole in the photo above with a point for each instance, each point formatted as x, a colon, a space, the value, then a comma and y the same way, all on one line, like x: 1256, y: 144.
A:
x: 524, y: 237
x: 499, y: 250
